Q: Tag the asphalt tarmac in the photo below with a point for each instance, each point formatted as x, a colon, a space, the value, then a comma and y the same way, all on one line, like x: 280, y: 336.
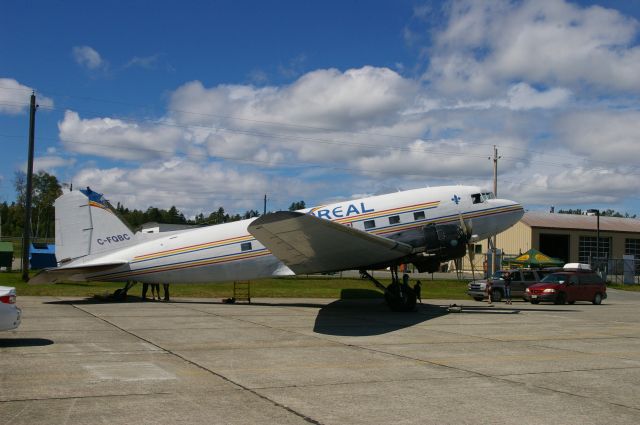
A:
x: 296, y: 361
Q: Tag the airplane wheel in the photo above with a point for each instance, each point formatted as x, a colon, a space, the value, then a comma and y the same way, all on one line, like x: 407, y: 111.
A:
x: 400, y: 300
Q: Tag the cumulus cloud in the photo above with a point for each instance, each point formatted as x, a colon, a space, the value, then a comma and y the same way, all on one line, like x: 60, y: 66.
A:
x: 573, y: 185
x: 88, y: 57
x: 50, y: 163
x: 15, y: 97
x: 117, y: 139
x: 344, y: 100
x: 604, y: 135
x: 192, y: 187
x: 551, y: 42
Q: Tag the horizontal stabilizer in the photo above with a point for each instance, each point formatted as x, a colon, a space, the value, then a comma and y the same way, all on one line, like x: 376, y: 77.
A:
x: 308, y: 244
x: 59, y: 274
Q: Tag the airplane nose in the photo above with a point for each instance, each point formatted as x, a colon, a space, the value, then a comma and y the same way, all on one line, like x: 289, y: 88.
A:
x: 514, y: 210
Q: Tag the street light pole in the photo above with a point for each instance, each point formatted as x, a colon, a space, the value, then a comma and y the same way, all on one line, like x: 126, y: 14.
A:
x: 28, y: 191
x: 597, y: 213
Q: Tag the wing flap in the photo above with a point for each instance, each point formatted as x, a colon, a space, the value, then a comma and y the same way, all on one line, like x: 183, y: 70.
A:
x: 59, y: 274
x: 307, y: 244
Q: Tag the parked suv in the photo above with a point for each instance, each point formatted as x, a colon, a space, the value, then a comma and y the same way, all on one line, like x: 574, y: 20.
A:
x: 573, y: 283
x: 520, y: 280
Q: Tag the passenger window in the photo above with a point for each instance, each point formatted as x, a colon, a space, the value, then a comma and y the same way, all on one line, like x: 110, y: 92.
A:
x: 418, y: 215
x: 394, y: 219
x: 529, y: 276
x: 245, y: 246
x: 573, y: 280
x: 369, y: 224
x: 476, y: 198
x: 516, y: 276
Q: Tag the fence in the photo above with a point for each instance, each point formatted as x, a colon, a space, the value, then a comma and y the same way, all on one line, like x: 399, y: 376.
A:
x: 618, y: 270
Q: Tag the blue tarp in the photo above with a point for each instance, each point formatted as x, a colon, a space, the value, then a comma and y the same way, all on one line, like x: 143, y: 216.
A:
x: 42, y: 255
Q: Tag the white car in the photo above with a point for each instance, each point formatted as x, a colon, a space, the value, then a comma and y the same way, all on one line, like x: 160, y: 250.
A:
x: 10, y: 314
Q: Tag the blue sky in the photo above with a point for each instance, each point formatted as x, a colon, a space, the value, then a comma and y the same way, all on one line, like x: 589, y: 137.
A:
x: 208, y: 104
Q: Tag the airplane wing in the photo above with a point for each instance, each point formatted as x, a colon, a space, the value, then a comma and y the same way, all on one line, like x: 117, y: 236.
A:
x: 58, y: 274
x: 307, y: 244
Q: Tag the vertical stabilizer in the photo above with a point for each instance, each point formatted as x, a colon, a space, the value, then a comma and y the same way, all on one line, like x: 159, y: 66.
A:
x: 86, y: 224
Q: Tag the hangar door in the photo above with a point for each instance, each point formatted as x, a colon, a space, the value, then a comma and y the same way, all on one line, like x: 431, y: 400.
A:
x: 556, y: 246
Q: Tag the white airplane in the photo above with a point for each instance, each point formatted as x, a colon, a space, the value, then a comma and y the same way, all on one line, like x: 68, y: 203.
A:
x: 422, y: 226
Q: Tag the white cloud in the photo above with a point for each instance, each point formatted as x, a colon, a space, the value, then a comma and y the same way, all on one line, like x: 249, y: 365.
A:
x: 609, y: 135
x: 88, y: 57
x: 550, y: 42
x: 191, y: 186
x: 352, y: 123
x: 117, y: 139
x: 146, y: 62
x: 522, y: 97
x: 580, y: 185
x: 50, y: 163
x: 15, y: 97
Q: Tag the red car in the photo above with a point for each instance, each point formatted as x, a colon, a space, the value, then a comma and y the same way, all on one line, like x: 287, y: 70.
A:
x: 575, y: 283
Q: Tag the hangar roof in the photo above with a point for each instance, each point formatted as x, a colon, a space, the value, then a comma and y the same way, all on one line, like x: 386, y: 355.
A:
x: 580, y: 222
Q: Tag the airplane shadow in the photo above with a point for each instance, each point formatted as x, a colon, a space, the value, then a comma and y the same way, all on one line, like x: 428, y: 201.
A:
x: 363, y: 312
x: 97, y: 300
x: 24, y: 342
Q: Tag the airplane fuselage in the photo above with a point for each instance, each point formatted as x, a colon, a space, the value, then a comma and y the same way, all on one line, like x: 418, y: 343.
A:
x: 228, y: 252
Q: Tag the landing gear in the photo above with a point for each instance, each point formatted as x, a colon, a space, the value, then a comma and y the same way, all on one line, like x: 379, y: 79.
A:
x: 399, y: 296
x: 121, y: 293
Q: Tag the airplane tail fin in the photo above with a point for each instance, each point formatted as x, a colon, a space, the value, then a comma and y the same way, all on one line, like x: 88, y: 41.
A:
x: 86, y: 224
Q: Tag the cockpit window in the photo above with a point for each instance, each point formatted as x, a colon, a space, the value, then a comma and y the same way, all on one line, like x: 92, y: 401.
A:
x: 488, y: 195
x: 479, y: 198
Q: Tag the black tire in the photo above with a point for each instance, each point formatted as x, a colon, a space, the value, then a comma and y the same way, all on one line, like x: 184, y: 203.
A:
x: 597, y: 300
x: 535, y: 301
x: 478, y: 298
x: 561, y: 298
x: 572, y: 302
x: 400, y: 299
x: 496, y: 295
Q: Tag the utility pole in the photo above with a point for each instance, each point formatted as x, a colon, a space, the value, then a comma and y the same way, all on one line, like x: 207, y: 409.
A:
x: 264, y: 211
x: 27, y: 214
x: 495, y: 193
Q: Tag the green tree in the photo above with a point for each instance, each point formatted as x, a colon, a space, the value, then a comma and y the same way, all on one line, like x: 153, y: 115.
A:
x: 46, y: 189
x: 300, y: 205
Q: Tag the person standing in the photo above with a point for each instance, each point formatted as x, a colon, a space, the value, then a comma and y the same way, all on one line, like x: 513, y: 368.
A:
x: 165, y: 286
x: 489, y: 289
x: 417, y: 288
x: 155, y: 290
x: 507, y: 287
x: 145, y: 288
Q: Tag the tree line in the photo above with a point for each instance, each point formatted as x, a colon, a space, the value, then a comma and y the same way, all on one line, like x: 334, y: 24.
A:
x: 46, y: 188
x: 603, y: 213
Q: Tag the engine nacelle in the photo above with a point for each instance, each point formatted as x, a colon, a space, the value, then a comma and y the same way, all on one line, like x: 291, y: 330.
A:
x: 442, y: 242
x: 446, y: 240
